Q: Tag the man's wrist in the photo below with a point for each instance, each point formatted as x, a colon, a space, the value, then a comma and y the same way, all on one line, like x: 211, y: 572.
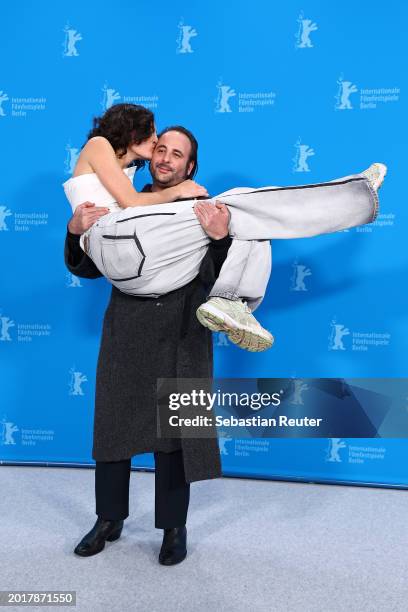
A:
x: 221, y: 242
x: 72, y: 235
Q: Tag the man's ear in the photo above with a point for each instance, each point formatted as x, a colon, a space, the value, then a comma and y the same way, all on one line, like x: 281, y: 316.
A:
x: 190, y: 167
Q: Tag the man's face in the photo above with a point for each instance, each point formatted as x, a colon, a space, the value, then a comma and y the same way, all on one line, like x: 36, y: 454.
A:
x: 169, y: 165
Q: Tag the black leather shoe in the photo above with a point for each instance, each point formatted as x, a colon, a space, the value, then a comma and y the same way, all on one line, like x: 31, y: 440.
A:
x: 94, y: 541
x: 174, y: 547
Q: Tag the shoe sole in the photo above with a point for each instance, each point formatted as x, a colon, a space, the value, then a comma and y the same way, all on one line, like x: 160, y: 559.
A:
x: 172, y: 563
x: 249, y: 342
x: 241, y: 335
x: 383, y: 171
x: 89, y: 554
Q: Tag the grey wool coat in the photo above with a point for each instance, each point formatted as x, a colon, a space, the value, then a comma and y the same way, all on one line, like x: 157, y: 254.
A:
x: 144, y: 339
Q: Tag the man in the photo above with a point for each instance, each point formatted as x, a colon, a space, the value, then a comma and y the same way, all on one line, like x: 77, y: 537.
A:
x: 144, y: 339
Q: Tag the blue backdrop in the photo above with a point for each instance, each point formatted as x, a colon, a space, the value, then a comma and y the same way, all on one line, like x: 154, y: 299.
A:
x: 276, y: 93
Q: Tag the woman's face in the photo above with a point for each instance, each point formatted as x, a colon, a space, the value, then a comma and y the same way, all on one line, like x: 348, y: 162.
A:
x: 145, y: 149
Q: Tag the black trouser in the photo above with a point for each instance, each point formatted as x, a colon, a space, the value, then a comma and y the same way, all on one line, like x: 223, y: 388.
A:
x: 172, y: 492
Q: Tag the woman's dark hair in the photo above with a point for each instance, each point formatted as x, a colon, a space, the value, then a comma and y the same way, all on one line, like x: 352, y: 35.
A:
x: 124, y: 125
x: 194, y: 146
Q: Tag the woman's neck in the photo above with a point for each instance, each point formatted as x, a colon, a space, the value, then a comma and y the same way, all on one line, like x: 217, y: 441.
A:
x: 127, y: 159
x: 124, y: 161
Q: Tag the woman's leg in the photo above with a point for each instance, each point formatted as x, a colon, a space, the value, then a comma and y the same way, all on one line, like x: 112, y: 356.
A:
x: 245, y: 272
x: 284, y: 212
x: 156, y: 249
x: 301, y: 211
x: 150, y: 250
x: 238, y: 291
x: 279, y: 212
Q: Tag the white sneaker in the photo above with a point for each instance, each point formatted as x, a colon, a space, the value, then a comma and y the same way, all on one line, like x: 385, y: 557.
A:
x: 235, y: 319
x: 375, y: 174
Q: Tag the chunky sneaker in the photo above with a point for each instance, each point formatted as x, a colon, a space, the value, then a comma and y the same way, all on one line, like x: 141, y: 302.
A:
x: 375, y: 174
x: 235, y: 319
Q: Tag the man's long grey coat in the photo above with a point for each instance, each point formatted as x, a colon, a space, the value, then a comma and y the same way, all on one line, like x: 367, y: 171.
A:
x: 144, y: 339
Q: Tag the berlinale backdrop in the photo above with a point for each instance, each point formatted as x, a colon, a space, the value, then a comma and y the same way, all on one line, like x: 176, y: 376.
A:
x: 277, y: 93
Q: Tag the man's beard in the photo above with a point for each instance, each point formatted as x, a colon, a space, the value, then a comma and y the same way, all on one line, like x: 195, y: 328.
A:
x: 168, y: 180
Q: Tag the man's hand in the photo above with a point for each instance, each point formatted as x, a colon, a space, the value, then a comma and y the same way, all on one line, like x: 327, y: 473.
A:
x: 84, y: 216
x: 214, y: 218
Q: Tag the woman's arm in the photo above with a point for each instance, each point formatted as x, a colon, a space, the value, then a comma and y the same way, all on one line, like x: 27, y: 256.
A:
x: 100, y: 155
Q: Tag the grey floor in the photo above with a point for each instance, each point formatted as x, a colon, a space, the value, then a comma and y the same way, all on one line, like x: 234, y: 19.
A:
x: 252, y: 545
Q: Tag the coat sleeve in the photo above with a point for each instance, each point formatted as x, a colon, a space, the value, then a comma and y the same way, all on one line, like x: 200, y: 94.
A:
x: 76, y: 260
x: 213, y: 260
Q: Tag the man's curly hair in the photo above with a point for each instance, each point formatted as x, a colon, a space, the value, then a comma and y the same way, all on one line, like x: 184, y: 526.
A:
x: 123, y: 125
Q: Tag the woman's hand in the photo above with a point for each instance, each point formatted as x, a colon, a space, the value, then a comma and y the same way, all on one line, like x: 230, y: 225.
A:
x: 190, y: 189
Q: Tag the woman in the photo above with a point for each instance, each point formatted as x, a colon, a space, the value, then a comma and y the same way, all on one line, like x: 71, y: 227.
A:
x: 124, y: 134
x: 159, y: 248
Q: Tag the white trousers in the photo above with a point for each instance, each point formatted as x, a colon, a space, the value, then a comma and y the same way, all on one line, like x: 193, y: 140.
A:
x: 151, y: 250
